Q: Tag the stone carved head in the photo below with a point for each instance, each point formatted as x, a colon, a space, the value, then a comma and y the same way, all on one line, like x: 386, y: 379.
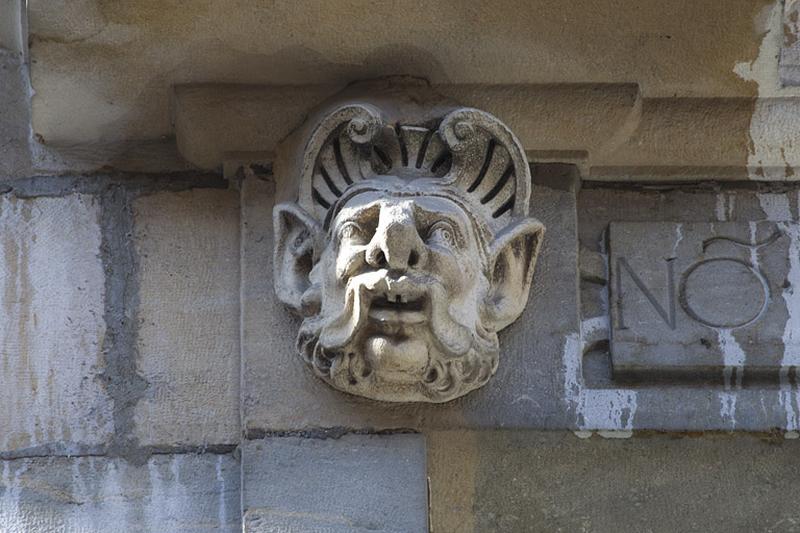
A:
x: 408, y: 248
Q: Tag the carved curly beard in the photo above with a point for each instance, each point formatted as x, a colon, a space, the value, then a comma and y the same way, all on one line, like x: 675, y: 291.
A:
x: 460, y: 358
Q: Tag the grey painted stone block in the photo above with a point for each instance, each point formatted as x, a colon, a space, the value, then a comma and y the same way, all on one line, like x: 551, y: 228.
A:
x: 15, y: 157
x: 355, y: 483
x: 188, y: 252
x: 51, y: 324
x: 702, y: 299
x: 279, y: 393
x: 675, y: 403
x: 169, y: 493
x: 789, y: 60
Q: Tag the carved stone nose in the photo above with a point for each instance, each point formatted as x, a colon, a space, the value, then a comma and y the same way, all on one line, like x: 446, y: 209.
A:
x: 396, y: 244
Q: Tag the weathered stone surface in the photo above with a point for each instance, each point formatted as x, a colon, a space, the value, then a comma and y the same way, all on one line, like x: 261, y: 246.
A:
x: 188, y: 341
x: 700, y: 299
x: 603, y: 403
x: 52, y: 329
x: 355, y: 483
x: 104, y: 72
x: 789, y: 62
x: 547, y: 119
x: 525, y: 481
x: 405, y: 265
x: 773, y: 153
x: 169, y: 493
x: 681, y: 107
x: 15, y: 119
x: 11, y: 25
x: 280, y: 394
x: 652, y: 139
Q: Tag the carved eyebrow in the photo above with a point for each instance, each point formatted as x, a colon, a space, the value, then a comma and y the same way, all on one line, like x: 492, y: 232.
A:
x: 356, y: 215
x: 458, y: 219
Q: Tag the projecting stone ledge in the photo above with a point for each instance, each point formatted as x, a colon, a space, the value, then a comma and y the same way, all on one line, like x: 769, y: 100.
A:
x: 614, y: 132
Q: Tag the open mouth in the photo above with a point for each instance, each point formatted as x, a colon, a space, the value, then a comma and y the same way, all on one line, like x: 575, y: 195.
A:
x: 398, y: 303
x: 398, y: 308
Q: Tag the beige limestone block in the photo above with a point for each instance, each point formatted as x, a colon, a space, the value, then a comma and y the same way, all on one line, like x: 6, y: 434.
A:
x: 102, y: 71
x: 51, y: 328
x: 188, y: 341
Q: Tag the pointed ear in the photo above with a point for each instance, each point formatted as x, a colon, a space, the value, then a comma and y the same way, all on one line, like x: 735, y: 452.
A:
x: 512, y: 260
x: 296, y: 237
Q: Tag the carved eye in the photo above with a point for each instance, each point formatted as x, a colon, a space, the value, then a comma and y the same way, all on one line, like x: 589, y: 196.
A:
x: 443, y: 233
x: 351, y: 231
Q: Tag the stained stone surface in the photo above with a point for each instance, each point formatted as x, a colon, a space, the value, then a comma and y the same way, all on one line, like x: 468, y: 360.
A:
x: 103, y: 71
x: 789, y: 61
x: 280, y: 394
x: 52, y: 328
x: 692, y: 300
x: 188, y: 342
x: 169, y: 494
x: 15, y: 118
x: 527, y: 481
x: 355, y: 483
x: 677, y: 402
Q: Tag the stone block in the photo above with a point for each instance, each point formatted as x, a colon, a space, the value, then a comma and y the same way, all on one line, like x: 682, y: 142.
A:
x: 356, y: 483
x: 188, y: 340
x: 675, y: 403
x: 281, y: 393
x: 169, y: 493
x: 15, y: 156
x: 701, y: 299
x: 789, y: 61
x: 526, y: 481
x: 51, y: 325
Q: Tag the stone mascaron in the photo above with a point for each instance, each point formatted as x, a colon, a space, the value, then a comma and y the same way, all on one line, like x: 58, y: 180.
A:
x: 408, y: 248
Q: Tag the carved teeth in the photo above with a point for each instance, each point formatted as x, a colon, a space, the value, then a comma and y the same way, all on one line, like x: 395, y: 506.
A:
x: 398, y: 302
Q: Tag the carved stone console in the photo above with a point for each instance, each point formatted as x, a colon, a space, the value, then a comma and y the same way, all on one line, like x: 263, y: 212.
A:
x: 407, y: 248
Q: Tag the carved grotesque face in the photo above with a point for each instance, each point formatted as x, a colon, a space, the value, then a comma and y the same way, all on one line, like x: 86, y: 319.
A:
x: 401, y: 278
x: 403, y: 287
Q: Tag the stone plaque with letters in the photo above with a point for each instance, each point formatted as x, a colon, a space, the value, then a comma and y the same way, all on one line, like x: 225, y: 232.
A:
x: 703, y: 300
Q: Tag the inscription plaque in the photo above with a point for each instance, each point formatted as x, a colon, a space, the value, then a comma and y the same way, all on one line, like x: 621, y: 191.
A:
x: 699, y: 300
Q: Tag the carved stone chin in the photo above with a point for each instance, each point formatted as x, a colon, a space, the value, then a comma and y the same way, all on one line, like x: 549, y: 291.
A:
x: 408, y: 248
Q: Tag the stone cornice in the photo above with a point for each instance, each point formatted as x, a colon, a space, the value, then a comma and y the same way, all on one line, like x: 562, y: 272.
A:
x: 609, y: 130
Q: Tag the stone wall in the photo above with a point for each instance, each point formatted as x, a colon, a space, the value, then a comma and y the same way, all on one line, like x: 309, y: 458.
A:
x: 122, y: 304
x: 148, y: 374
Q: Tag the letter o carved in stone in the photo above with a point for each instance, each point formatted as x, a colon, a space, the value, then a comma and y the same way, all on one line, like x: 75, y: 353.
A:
x: 724, y: 292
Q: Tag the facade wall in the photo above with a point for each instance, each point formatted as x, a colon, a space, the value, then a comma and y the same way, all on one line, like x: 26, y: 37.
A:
x: 174, y: 400
x: 149, y: 379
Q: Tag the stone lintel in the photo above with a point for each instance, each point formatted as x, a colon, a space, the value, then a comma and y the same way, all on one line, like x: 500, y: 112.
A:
x: 611, y: 131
